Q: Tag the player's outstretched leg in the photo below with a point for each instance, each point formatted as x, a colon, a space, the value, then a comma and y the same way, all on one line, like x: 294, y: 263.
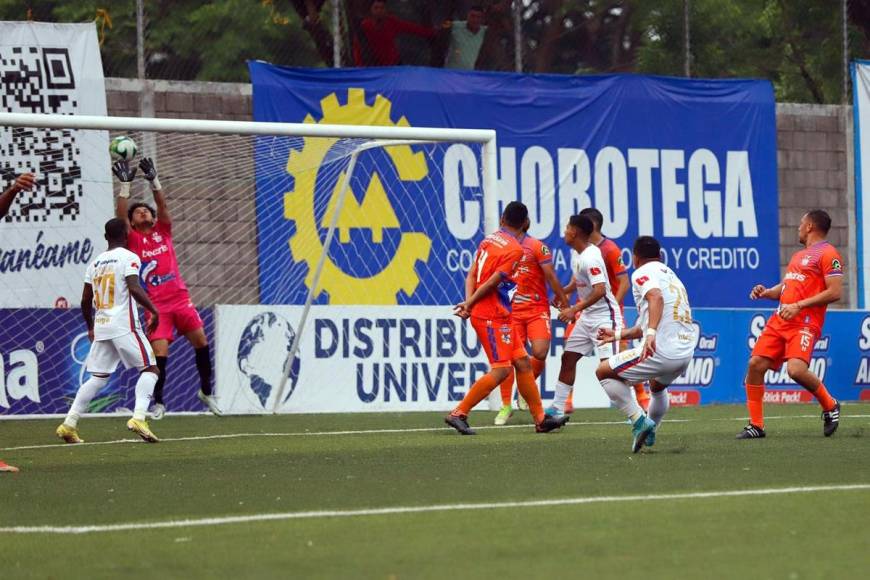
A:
x: 799, y: 371
x: 144, y: 393
x: 622, y: 396
x: 458, y: 418
x: 68, y: 430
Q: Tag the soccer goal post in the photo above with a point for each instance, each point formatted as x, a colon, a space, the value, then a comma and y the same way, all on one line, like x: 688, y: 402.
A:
x: 271, y: 223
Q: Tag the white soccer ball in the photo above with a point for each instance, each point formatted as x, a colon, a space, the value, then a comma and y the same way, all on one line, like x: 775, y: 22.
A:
x: 122, y: 148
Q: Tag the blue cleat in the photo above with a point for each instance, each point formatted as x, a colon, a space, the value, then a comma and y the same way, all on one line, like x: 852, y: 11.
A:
x: 651, y: 438
x: 553, y: 411
x: 641, y: 431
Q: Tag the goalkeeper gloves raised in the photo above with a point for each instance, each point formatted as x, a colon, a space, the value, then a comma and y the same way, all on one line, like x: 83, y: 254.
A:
x: 125, y: 175
x: 149, y: 171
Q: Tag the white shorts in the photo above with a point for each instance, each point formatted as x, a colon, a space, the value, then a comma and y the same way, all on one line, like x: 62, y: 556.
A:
x: 132, y: 349
x: 631, y: 369
x: 584, y: 338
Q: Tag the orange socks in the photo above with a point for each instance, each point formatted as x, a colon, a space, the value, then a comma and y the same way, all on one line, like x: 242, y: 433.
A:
x: 642, y: 396
x: 478, y: 392
x: 507, y: 389
x: 755, y: 404
x: 824, y: 398
x: 537, y: 367
x: 529, y: 390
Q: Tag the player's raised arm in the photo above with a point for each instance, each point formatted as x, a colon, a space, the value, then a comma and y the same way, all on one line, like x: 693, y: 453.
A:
x: 141, y: 297
x: 125, y: 175
x: 23, y: 182
x: 149, y: 171
x: 87, y: 306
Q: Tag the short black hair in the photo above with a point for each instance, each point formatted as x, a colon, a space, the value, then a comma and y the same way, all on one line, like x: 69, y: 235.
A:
x: 820, y: 219
x: 595, y: 216
x: 647, y: 248
x: 515, y: 214
x: 582, y: 223
x: 136, y: 206
x: 116, y: 230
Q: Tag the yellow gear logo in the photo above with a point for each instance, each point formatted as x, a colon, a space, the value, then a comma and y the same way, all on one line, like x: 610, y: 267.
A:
x: 375, y: 213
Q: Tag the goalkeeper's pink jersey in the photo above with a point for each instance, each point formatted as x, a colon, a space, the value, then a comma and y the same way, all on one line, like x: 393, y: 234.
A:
x: 159, y: 273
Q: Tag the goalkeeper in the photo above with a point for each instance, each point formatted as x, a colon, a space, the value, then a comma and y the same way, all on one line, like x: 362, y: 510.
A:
x: 151, y: 239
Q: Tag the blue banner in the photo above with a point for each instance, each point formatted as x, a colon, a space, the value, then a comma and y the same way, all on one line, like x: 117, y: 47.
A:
x: 42, y: 365
x: 692, y: 162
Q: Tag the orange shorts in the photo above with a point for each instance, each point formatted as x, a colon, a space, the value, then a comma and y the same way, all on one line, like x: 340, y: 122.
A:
x: 535, y: 327
x: 780, y: 341
x: 500, y: 341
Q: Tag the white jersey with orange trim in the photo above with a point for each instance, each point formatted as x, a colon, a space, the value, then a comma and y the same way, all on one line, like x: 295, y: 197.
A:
x: 116, y: 314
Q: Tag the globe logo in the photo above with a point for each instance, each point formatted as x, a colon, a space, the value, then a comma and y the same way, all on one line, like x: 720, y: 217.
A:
x: 262, y: 354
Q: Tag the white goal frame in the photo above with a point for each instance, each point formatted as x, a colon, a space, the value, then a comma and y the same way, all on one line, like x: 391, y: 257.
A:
x: 381, y: 137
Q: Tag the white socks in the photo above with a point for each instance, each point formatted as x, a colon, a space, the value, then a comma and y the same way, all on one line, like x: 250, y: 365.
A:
x: 658, y: 405
x: 562, y: 392
x: 622, y: 396
x: 144, y: 392
x: 86, y: 394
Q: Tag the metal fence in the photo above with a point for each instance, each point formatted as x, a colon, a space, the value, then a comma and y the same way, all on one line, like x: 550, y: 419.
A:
x: 801, y: 45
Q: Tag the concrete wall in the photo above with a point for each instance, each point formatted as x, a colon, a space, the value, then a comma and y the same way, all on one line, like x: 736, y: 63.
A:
x: 814, y: 149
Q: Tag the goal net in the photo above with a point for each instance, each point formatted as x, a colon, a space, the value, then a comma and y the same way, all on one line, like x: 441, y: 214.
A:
x: 323, y: 263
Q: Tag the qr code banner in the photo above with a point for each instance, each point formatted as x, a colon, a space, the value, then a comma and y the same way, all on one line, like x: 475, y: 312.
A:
x: 52, y: 231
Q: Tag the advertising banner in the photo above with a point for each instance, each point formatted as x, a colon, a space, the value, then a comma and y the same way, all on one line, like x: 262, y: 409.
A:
x: 53, y: 231
x: 41, y: 368
x: 402, y: 358
x: 692, y: 162
x: 861, y: 114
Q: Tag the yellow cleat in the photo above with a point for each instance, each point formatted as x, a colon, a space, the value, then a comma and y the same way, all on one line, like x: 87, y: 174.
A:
x: 69, y: 434
x: 141, y: 429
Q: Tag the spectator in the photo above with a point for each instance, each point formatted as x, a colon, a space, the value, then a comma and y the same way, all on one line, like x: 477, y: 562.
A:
x: 466, y: 38
x: 497, y: 52
x: 379, y: 32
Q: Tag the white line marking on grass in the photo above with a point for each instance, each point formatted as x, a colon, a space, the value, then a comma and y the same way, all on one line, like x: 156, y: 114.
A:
x: 380, y: 431
x: 420, y: 509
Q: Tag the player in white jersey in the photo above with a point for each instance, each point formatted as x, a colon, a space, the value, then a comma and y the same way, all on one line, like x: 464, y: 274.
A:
x: 597, y: 303
x: 668, y: 336
x: 111, y: 285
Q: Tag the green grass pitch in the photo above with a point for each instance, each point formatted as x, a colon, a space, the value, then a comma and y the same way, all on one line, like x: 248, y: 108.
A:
x: 281, y: 466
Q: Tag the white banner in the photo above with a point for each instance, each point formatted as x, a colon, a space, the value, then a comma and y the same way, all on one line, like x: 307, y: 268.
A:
x: 360, y: 358
x: 52, y: 232
x: 861, y: 89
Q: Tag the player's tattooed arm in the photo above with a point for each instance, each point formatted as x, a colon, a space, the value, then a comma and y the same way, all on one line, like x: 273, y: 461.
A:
x: 142, y: 299
x: 149, y: 171
x: 23, y: 182
x: 87, y: 306
x: 598, y: 291
x: 550, y: 275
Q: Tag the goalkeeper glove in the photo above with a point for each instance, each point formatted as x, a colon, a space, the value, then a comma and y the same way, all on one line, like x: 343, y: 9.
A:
x: 149, y: 171
x: 125, y: 175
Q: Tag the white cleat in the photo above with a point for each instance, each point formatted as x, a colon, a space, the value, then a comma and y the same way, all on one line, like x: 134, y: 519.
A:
x: 210, y: 402
x: 158, y: 411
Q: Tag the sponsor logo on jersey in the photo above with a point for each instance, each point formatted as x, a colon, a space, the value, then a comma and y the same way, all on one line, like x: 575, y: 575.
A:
x: 835, y: 265
x: 795, y: 276
x: 642, y: 280
x: 595, y: 271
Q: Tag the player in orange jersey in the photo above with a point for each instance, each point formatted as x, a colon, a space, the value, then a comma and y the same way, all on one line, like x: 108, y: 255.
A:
x: 487, y: 305
x: 813, y: 279
x: 531, y: 311
x: 23, y: 182
x: 617, y: 275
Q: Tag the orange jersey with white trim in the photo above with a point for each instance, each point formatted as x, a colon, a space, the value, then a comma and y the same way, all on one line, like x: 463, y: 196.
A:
x: 805, y: 277
x: 531, y: 295
x: 498, y: 252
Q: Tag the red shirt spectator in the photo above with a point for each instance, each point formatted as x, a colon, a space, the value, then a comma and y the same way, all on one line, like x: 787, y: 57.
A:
x: 380, y: 30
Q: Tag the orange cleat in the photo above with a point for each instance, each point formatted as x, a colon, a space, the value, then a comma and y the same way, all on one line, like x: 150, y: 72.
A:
x: 6, y: 468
